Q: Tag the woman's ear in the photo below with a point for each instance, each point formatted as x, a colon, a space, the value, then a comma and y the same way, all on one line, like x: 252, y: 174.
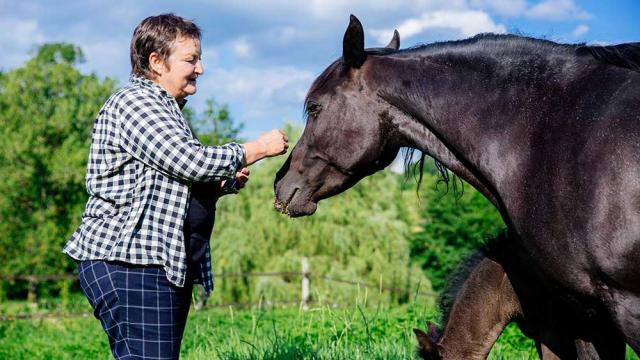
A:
x: 156, y: 63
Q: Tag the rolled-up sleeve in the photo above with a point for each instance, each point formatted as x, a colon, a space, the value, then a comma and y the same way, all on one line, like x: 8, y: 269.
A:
x: 152, y: 134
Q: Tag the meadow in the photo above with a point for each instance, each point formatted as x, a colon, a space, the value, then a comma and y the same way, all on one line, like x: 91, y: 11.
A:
x: 360, y: 330
x: 356, y: 331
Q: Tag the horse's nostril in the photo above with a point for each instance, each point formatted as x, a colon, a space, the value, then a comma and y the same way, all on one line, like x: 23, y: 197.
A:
x: 279, y: 206
x: 292, y: 195
x: 283, y: 206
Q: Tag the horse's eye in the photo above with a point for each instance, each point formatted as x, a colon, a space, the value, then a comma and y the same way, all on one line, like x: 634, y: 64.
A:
x: 313, y: 109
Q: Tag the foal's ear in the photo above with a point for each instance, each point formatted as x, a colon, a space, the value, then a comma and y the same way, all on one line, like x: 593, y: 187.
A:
x: 353, y: 53
x: 395, y: 41
x: 424, y: 342
x: 433, y: 330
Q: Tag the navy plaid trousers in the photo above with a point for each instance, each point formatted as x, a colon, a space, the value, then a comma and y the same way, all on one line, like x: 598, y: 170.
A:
x: 143, y: 314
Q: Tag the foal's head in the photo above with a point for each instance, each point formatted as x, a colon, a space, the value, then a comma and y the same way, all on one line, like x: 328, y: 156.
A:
x: 428, y: 342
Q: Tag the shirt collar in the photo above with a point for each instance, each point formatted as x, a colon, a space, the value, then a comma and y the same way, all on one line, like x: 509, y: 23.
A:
x: 150, y: 85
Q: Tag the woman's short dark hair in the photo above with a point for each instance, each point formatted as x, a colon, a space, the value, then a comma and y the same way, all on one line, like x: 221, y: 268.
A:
x: 157, y: 34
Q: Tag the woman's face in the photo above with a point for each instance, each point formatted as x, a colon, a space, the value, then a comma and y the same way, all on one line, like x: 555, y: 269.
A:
x: 178, y: 73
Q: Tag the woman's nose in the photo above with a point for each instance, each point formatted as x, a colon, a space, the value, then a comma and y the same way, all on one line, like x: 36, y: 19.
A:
x: 199, y: 68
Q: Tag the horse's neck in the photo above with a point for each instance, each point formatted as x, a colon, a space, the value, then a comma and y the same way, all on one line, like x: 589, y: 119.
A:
x: 484, y: 305
x: 464, y: 118
x: 418, y: 136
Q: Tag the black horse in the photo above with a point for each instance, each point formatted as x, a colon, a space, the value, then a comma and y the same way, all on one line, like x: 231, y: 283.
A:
x: 549, y: 133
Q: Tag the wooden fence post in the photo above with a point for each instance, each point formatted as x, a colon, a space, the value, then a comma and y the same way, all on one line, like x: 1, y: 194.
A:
x: 305, y: 283
x: 31, y: 291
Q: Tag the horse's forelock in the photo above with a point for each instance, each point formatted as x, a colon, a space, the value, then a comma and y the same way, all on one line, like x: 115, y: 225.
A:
x: 320, y: 82
x: 329, y: 74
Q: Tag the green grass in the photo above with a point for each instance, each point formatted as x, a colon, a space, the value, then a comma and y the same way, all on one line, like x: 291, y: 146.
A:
x: 274, y: 334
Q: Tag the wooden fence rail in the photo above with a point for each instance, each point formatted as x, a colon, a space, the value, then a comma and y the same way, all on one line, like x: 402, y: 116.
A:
x: 305, y: 298
x: 43, y: 278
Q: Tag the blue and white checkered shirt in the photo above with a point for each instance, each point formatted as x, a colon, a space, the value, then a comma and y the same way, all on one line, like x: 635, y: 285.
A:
x: 142, y: 160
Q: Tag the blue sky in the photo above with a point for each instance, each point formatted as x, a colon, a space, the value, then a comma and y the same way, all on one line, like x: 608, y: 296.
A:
x: 261, y: 56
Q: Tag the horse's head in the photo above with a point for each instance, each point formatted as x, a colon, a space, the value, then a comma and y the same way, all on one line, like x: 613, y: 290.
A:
x: 345, y: 138
x: 428, y: 342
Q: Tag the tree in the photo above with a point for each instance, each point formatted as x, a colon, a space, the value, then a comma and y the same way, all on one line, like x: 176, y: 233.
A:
x: 362, y: 234
x: 47, y: 109
x: 453, y: 225
x: 214, y: 126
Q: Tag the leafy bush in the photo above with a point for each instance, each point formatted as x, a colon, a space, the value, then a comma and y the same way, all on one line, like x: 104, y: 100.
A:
x: 47, y: 109
x: 453, y: 224
x: 362, y: 234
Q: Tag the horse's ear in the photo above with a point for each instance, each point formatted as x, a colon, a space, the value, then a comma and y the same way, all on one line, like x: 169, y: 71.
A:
x: 395, y: 41
x: 353, y: 53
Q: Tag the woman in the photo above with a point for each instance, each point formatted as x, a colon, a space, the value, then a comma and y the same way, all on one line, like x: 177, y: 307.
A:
x: 135, y: 267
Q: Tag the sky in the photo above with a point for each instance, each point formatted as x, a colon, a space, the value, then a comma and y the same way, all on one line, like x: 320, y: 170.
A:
x: 260, y: 57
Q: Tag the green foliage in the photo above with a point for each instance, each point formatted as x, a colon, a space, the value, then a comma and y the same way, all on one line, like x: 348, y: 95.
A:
x: 47, y: 109
x: 58, y: 53
x: 214, y: 126
x: 361, y: 234
x: 453, y: 225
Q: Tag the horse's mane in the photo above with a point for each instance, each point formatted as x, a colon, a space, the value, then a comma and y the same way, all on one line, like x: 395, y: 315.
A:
x: 623, y: 55
x: 465, y: 268
x: 489, y: 41
x: 415, y: 169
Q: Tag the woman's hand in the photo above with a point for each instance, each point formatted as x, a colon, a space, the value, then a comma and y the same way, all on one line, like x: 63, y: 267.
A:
x: 272, y: 143
x: 237, y: 183
x: 242, y: 177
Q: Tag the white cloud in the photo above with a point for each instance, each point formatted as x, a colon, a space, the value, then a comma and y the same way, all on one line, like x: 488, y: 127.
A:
x: 333, y: 12
x: 210, y: 56
x: 257, y: 92
x: 334, y: 8
x: 580, y: 30
x: 21, y: 32
x: 109, y: 57
x: 509, y: 8
x: 556, y: 10
x: 286, y: 34
x: 326, y: 8
x: 545, y: 10
x: 464, y: 23
x: 17, y: 38
x: 242, y: 48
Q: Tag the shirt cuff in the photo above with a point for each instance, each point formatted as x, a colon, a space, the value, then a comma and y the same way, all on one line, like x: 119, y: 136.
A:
x: 243, y: 156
